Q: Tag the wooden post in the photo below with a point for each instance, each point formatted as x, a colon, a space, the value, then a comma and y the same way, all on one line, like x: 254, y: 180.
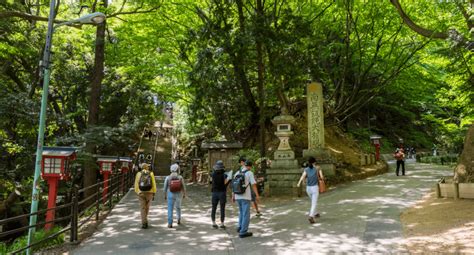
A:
x: 74, y: 217
x: 97, y: 201
x: 438, y: 190
x: 456, y: 190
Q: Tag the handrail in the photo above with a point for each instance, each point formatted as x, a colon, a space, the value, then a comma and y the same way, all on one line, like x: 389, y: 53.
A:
x: 75, y: 217
x: 86, y: 199
x: 41, y: 241
x: 81, y: 213
x: 4, y: 221
x: 9, y: 232
x: 80, y: 224
x: 90, y: 187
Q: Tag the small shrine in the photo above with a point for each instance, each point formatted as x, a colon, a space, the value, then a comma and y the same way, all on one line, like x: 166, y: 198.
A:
x: 221, y: 150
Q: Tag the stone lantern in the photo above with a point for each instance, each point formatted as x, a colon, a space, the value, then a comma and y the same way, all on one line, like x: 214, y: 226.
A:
x: 55, y: 167
x: 283, y: 124
x: 284, y: 172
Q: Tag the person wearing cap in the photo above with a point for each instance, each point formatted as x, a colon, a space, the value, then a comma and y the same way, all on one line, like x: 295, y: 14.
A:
x: 253, y: 201
x: 174, y: 198
x: 219, y: 179
x: 243, y: 200
x: 145, y: 197
x: 312, y: 172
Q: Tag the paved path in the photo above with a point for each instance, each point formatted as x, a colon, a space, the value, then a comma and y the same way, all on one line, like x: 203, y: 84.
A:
x: 361, y: 216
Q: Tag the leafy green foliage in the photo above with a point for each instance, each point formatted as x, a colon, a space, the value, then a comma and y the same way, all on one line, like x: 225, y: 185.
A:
x: 39, y: 235
x: 378, y: 75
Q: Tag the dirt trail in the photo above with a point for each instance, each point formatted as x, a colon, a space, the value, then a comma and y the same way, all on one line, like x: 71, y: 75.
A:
x: 439, y: 225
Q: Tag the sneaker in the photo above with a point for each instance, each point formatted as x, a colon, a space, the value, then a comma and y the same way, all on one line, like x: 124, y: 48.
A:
x: 258, y: 214
x: 170, y: 225
x: 222, y: 226
x: 317, y: 215
x: 144, y: 226
x: 246, y: 235
x: 179, y: 222
x: 311, y: 220
x: 214, y: 226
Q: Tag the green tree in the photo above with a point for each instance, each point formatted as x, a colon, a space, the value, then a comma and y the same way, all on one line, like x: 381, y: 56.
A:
x: 458, y: 30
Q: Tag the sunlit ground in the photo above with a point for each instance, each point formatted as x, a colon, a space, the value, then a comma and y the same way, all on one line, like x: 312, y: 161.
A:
x: 440, y: 225
x: 359, y: 217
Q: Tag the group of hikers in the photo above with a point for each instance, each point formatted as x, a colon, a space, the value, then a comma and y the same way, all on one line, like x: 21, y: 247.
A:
x: 243, y: 186
x: 174, y: 189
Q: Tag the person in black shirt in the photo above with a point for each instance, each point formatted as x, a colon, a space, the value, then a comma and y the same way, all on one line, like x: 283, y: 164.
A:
x: 219, y: 179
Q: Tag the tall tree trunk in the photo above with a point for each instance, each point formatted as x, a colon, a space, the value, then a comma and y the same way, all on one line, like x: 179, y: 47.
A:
x: 90, y: 173
x: 261, y: 80
x: 238, y: 61
x: 464, y: 171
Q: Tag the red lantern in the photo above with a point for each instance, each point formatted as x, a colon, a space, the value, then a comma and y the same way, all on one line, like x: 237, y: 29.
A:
x: 375, y: 140
x: 54, y: 167
x: 125, y: 166
x: 106, y: 167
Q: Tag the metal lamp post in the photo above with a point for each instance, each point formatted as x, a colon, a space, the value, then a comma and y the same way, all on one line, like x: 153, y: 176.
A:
x: 94, y: 18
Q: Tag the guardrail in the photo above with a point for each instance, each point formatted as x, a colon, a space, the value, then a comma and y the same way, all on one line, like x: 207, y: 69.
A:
x: 81, y: 210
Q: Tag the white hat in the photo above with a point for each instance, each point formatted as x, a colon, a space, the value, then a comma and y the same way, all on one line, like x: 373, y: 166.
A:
x: 174, y: 168
x: 145, y: 166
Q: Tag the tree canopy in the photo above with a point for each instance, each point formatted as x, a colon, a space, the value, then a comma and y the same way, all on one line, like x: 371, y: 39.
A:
x: 230, y: 66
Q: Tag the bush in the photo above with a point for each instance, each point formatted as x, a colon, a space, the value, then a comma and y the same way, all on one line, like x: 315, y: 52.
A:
x: 441, y: 160
x: 22, y: 241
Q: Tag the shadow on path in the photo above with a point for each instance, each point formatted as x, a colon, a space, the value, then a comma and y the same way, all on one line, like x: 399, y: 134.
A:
x: 362, y: 216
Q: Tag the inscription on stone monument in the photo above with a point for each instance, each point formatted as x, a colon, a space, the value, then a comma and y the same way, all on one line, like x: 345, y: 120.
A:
x: 315, y: 116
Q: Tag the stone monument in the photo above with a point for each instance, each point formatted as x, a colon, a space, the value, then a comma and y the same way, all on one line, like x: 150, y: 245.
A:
x: 316, y: 146
x: 285, y: 172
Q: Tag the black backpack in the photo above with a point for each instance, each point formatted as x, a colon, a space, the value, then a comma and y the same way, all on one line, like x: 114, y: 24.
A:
x: 238, y: 183
x: 218, y: 181
x: 145, y: 184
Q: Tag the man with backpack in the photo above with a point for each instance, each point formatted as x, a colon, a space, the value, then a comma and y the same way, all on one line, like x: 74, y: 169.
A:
x: 175, y: 190
x: 253, y: 201
x: 219, y: 179
x: 145, y: 187
x: 241, y: 193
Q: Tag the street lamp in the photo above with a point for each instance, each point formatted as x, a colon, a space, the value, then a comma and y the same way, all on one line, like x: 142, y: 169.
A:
x: 94, y: 18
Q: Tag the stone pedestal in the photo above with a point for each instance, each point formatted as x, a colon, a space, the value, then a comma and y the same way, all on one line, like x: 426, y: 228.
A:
x: 283, y: 177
